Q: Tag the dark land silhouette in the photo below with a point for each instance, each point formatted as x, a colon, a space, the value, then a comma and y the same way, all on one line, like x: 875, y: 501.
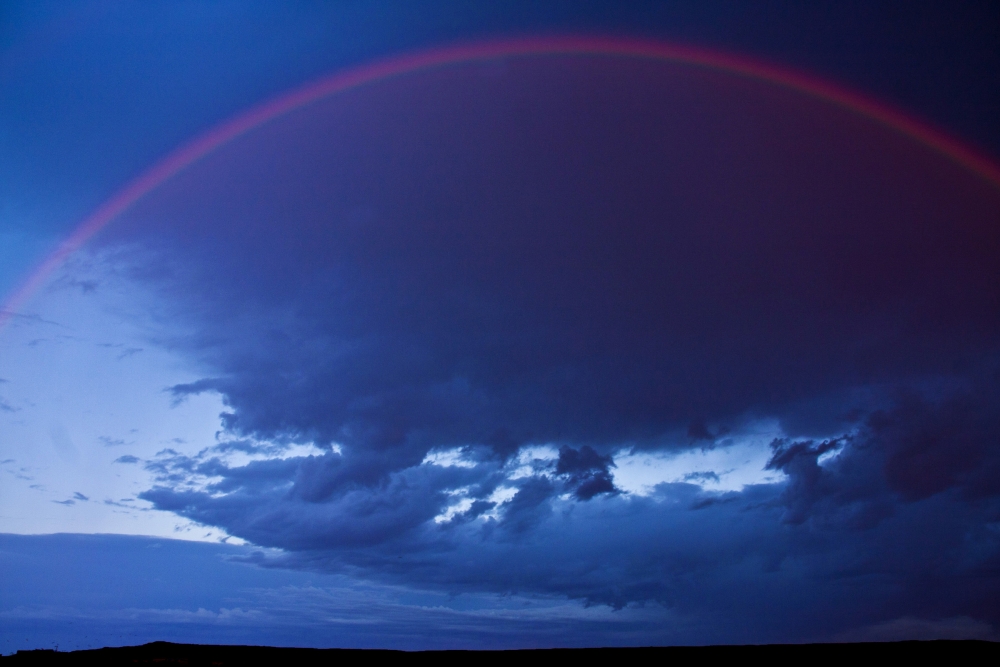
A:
x: 166, y: 653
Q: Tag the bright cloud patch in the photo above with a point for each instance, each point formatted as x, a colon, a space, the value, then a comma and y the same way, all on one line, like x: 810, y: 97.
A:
x: 727, y: 465
x: 449, y: 457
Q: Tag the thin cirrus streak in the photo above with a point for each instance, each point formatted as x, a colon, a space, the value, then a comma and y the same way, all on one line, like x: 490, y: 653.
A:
x: 635, y: 48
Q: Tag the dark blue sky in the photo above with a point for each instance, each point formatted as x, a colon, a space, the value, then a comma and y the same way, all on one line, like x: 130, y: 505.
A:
x: 540, y: 351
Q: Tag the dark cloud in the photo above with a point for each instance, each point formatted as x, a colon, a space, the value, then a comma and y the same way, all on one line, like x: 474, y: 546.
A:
x: 835, y: 531
x: 489, y: 291
x: 941, y: 440
x: 179, y: 392
x: 698, y: 431
x: 30, y: 318
x: 702, y: 476
x: 327, y: 491
x: 597, y: 256
x: 800, y: 461
x: 127, y: 458
x: 66, y: 282
x: 587, y: 472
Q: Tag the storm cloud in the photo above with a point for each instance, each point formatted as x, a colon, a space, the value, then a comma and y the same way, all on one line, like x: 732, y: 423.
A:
x: 596, y: 256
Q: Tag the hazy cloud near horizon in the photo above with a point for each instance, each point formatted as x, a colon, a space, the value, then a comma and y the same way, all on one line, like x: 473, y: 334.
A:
x: 85, y: 591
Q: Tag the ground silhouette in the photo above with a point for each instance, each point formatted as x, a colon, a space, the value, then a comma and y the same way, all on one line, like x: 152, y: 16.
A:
x: 166, y: 653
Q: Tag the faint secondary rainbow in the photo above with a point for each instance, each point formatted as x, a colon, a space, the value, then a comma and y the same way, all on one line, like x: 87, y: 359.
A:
x: 744, y: 66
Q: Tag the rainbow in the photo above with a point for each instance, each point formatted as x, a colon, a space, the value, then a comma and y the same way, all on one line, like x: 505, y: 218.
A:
x: 743, y: 66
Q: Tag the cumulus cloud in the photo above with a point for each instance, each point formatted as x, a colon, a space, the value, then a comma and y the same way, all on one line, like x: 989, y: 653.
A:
x: 837, y: 527
x: 526, y: 260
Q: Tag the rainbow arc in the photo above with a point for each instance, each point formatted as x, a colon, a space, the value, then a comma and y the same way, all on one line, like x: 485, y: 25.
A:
x: 194, y: 150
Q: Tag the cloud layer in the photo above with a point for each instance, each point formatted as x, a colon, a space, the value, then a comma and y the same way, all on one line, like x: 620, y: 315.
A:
x: 598, y: 256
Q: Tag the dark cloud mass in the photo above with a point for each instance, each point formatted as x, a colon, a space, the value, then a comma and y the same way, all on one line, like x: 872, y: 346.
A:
x: 601, y: 256
x: 586, y: 470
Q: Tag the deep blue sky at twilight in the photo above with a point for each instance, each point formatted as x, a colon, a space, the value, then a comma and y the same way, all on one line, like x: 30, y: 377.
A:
x: 551, y: 351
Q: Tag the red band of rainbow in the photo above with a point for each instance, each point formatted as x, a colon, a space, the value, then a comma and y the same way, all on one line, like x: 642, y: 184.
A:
x: 621, y: 47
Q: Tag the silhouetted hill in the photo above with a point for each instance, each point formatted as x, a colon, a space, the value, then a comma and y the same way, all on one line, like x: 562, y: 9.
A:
x: 166, y: 653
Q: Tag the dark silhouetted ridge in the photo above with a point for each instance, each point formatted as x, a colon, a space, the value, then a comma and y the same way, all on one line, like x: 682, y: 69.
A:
x: 166, y: 653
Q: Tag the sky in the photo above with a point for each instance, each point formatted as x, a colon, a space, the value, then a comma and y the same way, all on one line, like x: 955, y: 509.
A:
x: 539, y: 324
